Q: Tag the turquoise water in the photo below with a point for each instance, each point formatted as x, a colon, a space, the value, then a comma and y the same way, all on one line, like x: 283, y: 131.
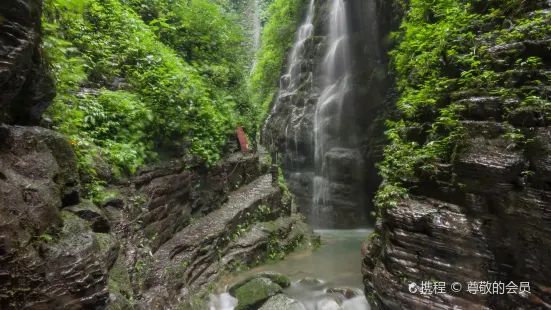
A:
x: 337, y: 262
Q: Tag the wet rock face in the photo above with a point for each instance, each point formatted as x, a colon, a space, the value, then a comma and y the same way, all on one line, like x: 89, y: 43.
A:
x: 237, y: 234
x: 484, y: 217
x: 175, y: 194
x: 49, y: 258
x: 290, y: 125
x: 25, y: 90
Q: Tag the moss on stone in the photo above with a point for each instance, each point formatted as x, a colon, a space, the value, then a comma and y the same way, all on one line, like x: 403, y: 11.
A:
x: 119, y: 279
x: 108, y: 248
x: 310, y: 281
x: 276, y: 277
x: 255, y: 292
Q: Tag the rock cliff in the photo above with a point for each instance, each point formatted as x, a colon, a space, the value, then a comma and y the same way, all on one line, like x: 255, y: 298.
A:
x: 26, y: 91
x: 484, y: 214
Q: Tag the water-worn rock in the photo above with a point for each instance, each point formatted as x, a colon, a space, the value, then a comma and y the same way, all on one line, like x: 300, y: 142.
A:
x: 39, y: 246
x: 251, y: 247
x: 310, y: 281
x: 482, y: 219
x: 281, y: 302
x: 347, y: 292
x: 255, y: 292
x: 120, y: 287
x: 191, y: 257
x: 76, y: 274
x: 91, y: 213
x: 25, y: 90
x: 175, y: 193
x: 276, y: 277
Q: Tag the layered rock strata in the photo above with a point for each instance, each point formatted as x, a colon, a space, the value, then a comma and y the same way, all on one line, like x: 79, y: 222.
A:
x: 484, y: 217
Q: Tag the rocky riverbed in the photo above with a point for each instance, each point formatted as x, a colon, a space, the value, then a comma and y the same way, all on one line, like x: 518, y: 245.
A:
x: 275, y: 291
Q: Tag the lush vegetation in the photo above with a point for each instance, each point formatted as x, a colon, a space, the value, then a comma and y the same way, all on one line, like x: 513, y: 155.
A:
x: 138, y: 77
x: 283, y: 17
x: 188, y: 90
x: 443, y: 48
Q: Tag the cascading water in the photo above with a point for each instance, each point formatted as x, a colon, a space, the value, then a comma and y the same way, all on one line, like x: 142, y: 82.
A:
x: 294, y: 75
x: 336, y: 146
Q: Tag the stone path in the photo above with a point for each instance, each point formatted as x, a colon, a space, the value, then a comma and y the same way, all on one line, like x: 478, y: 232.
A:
x: 185, y: 258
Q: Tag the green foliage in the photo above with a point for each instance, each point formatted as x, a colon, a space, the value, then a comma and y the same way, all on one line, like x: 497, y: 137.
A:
x: 277, y: 250
x: 260, y: 214
x: 286, y: 192
x: 442, y: 48
x: 169, y: 77
x: 46, y: 237
x: 372, y: 236
x: 283, y: 17
x: 434, y: 35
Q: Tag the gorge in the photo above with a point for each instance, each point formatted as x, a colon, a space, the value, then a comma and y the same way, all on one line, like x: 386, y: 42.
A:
x: 396, y: 145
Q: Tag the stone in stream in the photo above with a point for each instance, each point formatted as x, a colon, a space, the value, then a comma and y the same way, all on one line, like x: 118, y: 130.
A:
x: 310, y: 281
x: 347, y: 292
x: 276, y: 277
x: 281, y: 302
x: 255, y: 292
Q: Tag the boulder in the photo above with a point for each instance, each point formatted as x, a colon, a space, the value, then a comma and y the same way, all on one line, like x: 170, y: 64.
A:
x: 251, y: 295
x: 276, y: 277
x: 347, y: 292
x: 91, y: 213
x: 310, y: 281
x: 281, y: 302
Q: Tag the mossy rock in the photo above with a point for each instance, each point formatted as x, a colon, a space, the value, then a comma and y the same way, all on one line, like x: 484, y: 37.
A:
x: 276, y: 277
x: 117, y: 301
x: 91, y: 213
x: 310, y: 281
x: 120, y: 287
x: 255, y: 292
x: 119, y: 279
x: 281, y: 302
x: 109, y: 248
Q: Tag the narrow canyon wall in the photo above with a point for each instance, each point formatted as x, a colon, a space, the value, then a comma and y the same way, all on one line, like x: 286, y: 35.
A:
x: 485, y: 215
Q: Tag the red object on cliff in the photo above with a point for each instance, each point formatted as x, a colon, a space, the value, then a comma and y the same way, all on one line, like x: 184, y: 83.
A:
x: 242, y: 139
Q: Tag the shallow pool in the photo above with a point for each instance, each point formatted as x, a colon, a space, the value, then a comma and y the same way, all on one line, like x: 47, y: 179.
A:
x: 337, y: 262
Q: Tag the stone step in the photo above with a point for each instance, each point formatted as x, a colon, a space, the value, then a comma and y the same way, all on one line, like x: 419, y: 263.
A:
x: 175, y: 194
x: 184, y: 258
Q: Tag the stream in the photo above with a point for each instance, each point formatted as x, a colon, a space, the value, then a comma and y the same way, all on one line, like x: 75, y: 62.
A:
x: 336, y: 263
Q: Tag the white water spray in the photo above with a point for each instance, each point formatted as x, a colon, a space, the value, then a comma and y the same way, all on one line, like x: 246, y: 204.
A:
x: 327, y: 120
x: 292, y: 79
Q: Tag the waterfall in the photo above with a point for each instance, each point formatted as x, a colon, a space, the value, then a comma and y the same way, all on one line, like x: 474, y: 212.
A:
x: 334, y: 137
x: 314, y: 118
x: 294, y: 74
x: 291, y: 80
